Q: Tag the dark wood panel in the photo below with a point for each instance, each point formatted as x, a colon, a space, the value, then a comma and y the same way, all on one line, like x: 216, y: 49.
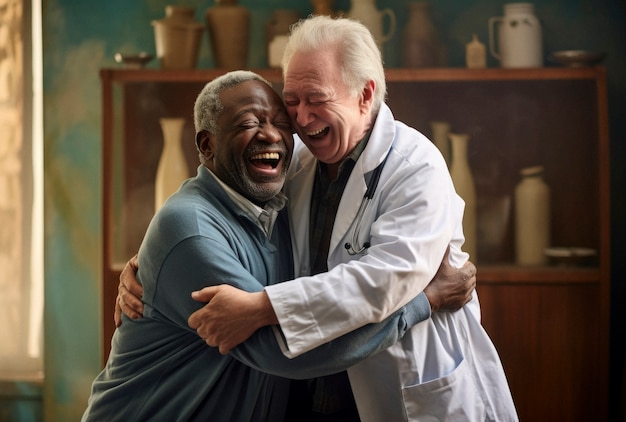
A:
x: 109, y: 295
x: 538, y: 131
x: 552, y: 346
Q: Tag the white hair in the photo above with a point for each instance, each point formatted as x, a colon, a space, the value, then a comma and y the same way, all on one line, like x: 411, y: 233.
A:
x: 357, y: 52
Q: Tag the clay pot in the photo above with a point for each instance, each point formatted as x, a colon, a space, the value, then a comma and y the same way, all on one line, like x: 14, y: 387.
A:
x: 229, y: 33
x: 177, y: 38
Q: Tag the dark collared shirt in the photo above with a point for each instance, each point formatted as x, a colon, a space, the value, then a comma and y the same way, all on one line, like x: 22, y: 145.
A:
x: 332, y: 393
x: 324, y: 204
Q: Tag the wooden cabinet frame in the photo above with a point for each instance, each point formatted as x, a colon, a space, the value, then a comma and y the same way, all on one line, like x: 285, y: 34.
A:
x: 550, y: 323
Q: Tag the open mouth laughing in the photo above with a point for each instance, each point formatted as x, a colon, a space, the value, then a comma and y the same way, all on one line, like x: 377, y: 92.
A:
x: 318, y: 134
x: 267, y: 166
x: 266, y: 160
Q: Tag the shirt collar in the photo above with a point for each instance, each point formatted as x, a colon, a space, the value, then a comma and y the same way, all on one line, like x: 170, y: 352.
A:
x: 352, y: 157
x: 264, y: 217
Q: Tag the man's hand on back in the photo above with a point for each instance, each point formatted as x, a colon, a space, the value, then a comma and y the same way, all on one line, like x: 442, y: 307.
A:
x: 129, y: 293
x: 451, y: 288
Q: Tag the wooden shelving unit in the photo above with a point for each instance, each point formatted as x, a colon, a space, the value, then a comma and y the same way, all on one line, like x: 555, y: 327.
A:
x: 551, y: 323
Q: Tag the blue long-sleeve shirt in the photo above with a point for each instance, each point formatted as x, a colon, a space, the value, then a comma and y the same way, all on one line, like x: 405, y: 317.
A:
x: 160, y: 369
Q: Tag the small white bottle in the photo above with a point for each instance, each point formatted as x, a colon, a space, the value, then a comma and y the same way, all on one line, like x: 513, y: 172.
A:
x: 532, y: 217
x: 475, y: 54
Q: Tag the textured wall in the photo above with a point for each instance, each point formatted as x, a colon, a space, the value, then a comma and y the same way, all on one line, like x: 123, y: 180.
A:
x: 82, y: 37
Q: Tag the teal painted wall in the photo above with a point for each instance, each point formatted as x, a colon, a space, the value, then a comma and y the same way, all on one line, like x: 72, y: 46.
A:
x: 80, y: 37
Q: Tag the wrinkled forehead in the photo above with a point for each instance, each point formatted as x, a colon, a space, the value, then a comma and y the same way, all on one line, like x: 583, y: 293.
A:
x: 318, y: 70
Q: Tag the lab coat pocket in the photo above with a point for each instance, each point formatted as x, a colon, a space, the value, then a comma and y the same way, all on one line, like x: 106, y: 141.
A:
x: 453, y: 397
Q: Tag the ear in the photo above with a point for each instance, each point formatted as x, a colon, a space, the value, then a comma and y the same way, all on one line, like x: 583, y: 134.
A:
x: 206, y: 144
x: 367, y: 97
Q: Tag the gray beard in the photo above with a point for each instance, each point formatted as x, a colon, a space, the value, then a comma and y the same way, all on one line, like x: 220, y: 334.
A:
x: 237, y: 178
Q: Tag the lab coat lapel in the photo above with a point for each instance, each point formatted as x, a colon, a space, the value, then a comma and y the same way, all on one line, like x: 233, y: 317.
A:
x: 378, y: 146
x: 348, y: 206
x: 298, y: 188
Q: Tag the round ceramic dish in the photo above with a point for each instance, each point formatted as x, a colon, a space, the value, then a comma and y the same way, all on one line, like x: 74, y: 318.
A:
x: 571, y: 256
x: 134, y: 61
x: 576, y: 58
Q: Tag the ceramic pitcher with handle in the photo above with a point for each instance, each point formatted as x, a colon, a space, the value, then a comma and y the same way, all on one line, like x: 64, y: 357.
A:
x: 518, y: 41
x: 366, y: 12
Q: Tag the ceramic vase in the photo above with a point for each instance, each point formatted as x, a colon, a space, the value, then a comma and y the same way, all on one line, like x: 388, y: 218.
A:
x: 461, y: 174
x: 421, y: 46
x: 440, y: 131
x: 532, y: 217
x: 323, y: 7
x: 277, y: 32
x: 177, y: 38
x: 366, y: 12
x: 172, y: 168
x: 518, y: 41
x: 229, y: 32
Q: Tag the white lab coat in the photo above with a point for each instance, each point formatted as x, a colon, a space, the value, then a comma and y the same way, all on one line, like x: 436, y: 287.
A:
x: 445, y: 368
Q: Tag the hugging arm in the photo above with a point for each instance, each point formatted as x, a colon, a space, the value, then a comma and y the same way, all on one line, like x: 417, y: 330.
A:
x: 263, y: 352
x: 230, y: 316
x: 191, y: 262
x: 449, y: 290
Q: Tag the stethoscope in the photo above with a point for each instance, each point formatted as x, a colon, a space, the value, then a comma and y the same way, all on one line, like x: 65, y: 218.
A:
x: 358, y: 249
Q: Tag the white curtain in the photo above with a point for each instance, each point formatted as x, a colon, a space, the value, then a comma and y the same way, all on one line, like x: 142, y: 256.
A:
x: 21, y: 167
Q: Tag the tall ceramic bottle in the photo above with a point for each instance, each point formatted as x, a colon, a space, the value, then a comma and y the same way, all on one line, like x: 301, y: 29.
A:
x: 172, y: 168
x: 366, y: 12
x: 461, y: 174
x: 440, y: 131
x: 532, y: 217
x: 323, y: 7
x: 229, y: 30
x: 421, y: 46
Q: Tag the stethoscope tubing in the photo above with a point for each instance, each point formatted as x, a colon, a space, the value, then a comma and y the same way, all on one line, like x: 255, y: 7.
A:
x: 355, y: 248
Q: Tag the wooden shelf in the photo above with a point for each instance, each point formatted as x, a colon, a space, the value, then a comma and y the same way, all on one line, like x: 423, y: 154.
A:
x: 176, y: 75
x: 392, y: 74
x: 490, y: 74
x: 513, y: 274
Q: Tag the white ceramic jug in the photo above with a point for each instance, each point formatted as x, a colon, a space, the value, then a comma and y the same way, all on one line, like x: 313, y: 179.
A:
x: 519, y: 37
x: 366, y: 12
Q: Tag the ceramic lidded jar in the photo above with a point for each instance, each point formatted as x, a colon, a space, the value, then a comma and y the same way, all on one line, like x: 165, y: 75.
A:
x: 229, y: 32
x: 177, y: 38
